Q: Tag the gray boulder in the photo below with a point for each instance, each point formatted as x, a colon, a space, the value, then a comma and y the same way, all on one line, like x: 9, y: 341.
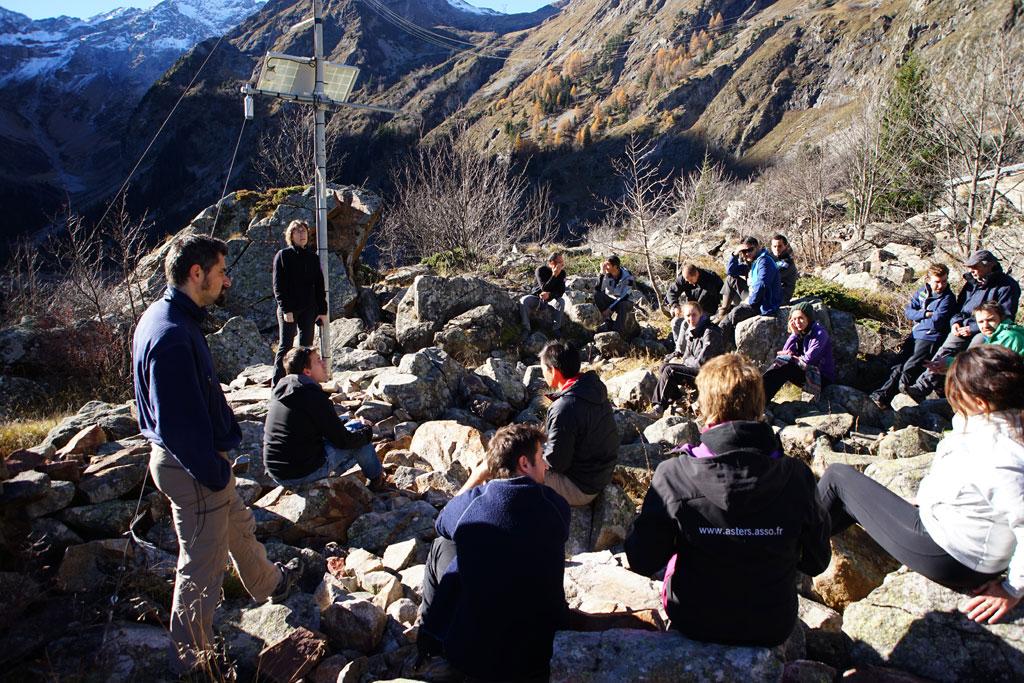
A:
x: 901, y: 476
x: 673, y: 430
x: 472, y: 335
x: 323, y: 509
x: 236, y: 346
x: 506, y: 377
x: 423, y: 384
x: 375, y: 531
x: 761, y: 337
x: 621, y: 654
x: 907, y: 443
x: 631, y: 389
x: 915, y: 625
x: 345, y: 333
x: 115, y: 419
x: 432, y: 301
x: 344, y: 359
x: 382, y: 340
x: 610, y: 344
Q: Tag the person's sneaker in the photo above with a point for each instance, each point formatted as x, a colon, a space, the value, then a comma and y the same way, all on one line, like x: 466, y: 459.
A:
x: 879, y: 401
x: 290, y: 572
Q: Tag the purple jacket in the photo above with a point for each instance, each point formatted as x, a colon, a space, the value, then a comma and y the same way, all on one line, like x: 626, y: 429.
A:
x: 813, y: 348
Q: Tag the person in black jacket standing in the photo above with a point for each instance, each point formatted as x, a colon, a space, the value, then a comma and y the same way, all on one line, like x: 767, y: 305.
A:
x: 696, y: 284
x: 299, y: 291
x: 550, y: 287
x: 583, y: 441
x: 733, y: 519
x: 304, y: 439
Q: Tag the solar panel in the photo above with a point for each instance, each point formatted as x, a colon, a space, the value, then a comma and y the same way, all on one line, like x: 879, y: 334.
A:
x: 287, y: 75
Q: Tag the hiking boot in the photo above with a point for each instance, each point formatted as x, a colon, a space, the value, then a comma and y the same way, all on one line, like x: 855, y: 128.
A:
x: 380, y: 485
x: 290, y: 572
x: 879, y: 400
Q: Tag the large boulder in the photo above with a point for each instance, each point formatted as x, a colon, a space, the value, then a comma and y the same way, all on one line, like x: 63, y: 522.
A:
x: 597, y: 583
x: 443, y: 442
x: 323, y: 509
x: 120, y: 651
x: 423, y: 384
x: 472, y: 335
x: 344, y: 359
x: 236, y: 346
x: 673, y: 430
x: 506, y: 378
x: 907, y: 443
x: 345, y: 333
x: 760, y: 338
x: 375, y: 531
x: 654, y: 657
x: 858, y: 566
x: 632, y: 389
x: 432, y: 301
x: 915, y: 625
x: 115, y: 419
x: 902, y: 476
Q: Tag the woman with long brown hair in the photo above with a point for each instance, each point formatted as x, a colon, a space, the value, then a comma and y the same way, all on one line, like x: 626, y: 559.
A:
x: 967, y: 532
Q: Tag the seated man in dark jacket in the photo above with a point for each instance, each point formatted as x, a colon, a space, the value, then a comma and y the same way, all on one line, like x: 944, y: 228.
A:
x: 550, y: 286
x: 698, y: 340
x: 492, y: 591
x: 733, y: 519
x: 583, y: 441
x: 696, y: 284
x: 930, y: 309
x: 304, y: 439
x: 984, y: 281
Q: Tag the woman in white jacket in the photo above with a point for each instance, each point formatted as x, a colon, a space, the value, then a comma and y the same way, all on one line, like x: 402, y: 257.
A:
x: 968, y: 531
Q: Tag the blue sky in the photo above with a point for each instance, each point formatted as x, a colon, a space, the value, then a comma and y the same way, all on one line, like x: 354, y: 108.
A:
x: 38, y: 9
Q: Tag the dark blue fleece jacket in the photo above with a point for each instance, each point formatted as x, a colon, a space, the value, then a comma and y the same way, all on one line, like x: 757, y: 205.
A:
x: 498, y: 614
x: 941, y: 306
x: 998, y: 287
x: 180, y: 403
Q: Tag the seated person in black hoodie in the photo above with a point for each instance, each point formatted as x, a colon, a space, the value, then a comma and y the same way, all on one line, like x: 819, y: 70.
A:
x: 304, y: 439
x: 696, y: 284
x: 550, y: 287
x: 733, y: 519
x: 583, y: 441
x: 492, y: 591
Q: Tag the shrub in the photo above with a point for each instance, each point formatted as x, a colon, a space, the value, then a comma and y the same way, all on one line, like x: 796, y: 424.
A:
x: 450, y: 261
x: 879, y: 307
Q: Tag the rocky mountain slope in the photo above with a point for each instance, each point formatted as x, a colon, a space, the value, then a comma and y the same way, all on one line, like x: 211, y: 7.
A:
x: 746, y: 79
x: 68, y: 87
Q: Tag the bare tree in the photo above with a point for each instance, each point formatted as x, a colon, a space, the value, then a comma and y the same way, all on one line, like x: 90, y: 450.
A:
x: 21, y: 287
x: 980, y: 135
x: 862, y: 156
x: 80, y: 254
x: 645, y: 201
x: 285, y: 155
x: 699, y: 202
x: 450, y: 197
x: 792, y: 196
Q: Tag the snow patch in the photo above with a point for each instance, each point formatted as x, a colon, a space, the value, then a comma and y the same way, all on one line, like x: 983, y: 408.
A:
x: 472, y: 9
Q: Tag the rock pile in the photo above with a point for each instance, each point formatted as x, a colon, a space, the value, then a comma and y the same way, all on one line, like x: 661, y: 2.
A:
x: 437, y: 375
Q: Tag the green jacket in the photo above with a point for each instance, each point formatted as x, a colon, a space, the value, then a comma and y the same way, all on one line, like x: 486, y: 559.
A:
x: 1010, y: 335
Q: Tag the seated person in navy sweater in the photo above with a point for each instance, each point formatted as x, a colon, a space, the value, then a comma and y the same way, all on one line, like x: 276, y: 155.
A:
x: 492, y: 592
x: 731, y: 520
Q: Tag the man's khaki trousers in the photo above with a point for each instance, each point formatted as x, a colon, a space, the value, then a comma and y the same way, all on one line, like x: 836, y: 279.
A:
x: 211, y: 525
x: 565, y: 487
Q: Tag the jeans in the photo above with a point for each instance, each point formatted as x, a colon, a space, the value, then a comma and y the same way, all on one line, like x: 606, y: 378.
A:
x: 930, y: 381
x: 854, y: 498
x: 532, y: 302
x: 337, y: 460
x: 734, y: 290
x: 304, y: 323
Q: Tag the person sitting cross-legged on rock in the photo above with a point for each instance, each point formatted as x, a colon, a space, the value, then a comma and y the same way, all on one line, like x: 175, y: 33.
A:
x: 493, y: 595
x: 930, y: 309
x: 753, y: 266
x: 583, y: 441
x: 696, y: 284
x: 698, y: 340
x: 549, y: 291
x: 968, y: 526
x: 304, y: 439
x: 733, y: 519
x: 611, y: 296
x: 806, y: 359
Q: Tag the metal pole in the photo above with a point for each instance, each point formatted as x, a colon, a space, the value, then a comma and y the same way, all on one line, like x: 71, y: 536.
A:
x: 319, y: 145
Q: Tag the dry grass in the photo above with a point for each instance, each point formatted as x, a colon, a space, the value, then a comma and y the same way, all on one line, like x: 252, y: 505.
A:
x: 621, y: 366
x: 24, y: 433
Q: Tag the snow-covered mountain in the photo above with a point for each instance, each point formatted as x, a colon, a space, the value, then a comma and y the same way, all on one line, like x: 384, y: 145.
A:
x: 472, y: 9
x: 68, y: 86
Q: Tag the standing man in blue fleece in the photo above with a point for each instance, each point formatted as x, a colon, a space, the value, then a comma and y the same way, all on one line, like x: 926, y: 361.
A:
x: 755, y: 263
x: 183, y: 413
x: 492, y: 592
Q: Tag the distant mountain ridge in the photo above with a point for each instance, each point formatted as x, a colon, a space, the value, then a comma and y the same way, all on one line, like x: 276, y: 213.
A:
x: 68, y: 87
